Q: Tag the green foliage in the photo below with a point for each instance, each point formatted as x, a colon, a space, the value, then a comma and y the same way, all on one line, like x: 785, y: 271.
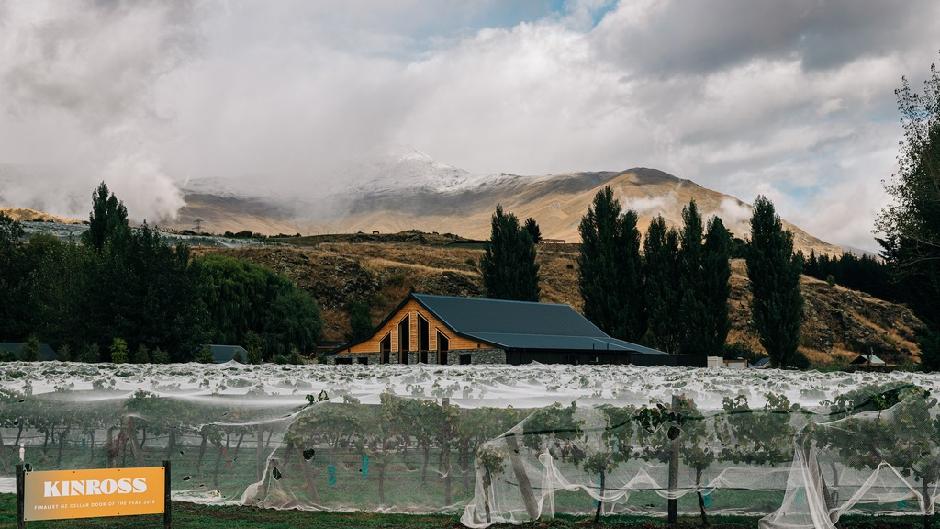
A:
x: 204, y: 356
x: 508, y: 264
x: 866, y: 273
x: 141, y: 355
x: 911, y: 222
x: 118, y: 351
x: 241, y: 297
x: 107, y: 221
x: 253, y: 345
x: 89, y: 354
x: 64, y: 354
x: 693, y: 309
x: 661, y: 271
x: 774, y: 273
x: 295, y: 357
x: 610, y: 272
x: 715, y: 288
x: 535, y: 232
x: 30, y: 352
x: 360, y: 321
x: 160, y: 356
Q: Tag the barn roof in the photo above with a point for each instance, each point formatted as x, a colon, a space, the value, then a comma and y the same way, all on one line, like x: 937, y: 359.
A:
x: 523, y: 324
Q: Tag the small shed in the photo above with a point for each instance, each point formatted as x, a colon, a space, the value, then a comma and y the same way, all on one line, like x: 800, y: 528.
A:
x: 15, y: 349
x: 227, y: 353
x: 868, y: 360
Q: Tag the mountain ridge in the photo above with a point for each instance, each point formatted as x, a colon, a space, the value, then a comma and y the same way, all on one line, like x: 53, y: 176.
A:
x: 556, y: 201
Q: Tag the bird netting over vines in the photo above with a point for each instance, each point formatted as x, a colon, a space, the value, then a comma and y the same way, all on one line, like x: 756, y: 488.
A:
x: 499, y: 443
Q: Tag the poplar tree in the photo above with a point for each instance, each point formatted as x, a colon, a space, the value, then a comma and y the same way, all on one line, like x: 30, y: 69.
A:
x: 693, y: 310
x: 715, y: 288
x: 108, y: 219
x: 661, y: 272
x: 508, y: 264
x: 610, y: 272
x: 774, y: 273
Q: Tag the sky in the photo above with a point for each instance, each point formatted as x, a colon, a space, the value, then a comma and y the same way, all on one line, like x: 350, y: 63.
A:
x: 793, y: 100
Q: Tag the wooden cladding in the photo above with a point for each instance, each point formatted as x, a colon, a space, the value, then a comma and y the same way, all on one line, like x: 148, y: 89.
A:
x: 412, y: 328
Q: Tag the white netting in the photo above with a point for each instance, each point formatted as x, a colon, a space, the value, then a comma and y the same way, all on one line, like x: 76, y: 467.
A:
x: 501, y: 443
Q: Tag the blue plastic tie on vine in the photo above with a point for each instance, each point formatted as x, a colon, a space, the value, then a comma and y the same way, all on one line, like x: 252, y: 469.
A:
x: 331, y: 475
x: 707, y: 499
x: 365, y: 466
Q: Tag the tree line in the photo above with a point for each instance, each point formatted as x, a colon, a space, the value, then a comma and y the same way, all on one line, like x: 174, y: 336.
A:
x: 668, y: 289
x: 127, y: 294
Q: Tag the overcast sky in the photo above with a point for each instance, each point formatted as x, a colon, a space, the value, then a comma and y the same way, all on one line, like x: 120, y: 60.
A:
x: 791, y: 99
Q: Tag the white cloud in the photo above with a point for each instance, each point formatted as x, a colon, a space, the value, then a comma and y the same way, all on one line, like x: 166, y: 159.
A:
x: 789, y: 99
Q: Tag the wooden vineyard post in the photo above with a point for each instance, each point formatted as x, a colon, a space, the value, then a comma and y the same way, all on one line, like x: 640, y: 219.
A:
x: 445, y: 453
x: 20, y: 497
x: 672, y: 510
x: 167, y: 500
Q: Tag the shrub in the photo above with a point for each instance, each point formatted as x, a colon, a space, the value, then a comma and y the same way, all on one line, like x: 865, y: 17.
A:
x: 142, y: 355
x: 204, y: 356
x: 64, y: 354
x: 281, y: 360
x: 30, y: 352
x: 118, y: 351
x: 160, y: 356
x: 89, y: 354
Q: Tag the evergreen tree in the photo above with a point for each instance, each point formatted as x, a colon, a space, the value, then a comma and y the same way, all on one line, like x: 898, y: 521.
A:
x: 912, y: 222
x: 360, y: 321
x: 610, y: 271
x: 661, y: 271
x: 535, y: 232
x: 774, y: 273
x: 716, y: 289
x: 508, y: 265
x: 30, y: 352
x: 118, y: 351
x: 693, y: 311
x: 108, y: 219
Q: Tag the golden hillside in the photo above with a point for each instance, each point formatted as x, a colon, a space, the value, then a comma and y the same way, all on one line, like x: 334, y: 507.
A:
x: 838, y: 324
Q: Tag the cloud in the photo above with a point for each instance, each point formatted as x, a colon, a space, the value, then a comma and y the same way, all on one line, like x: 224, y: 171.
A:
x: 789, y: 98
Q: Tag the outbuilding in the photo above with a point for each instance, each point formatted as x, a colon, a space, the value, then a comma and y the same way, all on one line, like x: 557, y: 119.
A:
x: 446, y: 330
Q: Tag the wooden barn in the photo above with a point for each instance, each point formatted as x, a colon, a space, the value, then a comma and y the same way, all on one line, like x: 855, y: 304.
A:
x: 448, y: 330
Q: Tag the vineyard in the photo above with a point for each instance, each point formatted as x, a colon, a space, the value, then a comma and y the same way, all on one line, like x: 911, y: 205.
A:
x: 499, y: 444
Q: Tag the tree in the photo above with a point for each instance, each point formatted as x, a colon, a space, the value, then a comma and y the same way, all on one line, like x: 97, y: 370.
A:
x: 508, y: 264
x: 253, y: 345
x: 661, y: 273
x: 610, y: 271
x: 118, y: 351
x: 360, y: 321
x: 107, y: 221
x: 30, y: 352
x: 912, y: 222
x: 715, y: 287
x: 241, y: 297
x: 693, y: 311
x: 141, y: 355
x: 535, y: 232
x: 204, y: 356
x: 774, y: 273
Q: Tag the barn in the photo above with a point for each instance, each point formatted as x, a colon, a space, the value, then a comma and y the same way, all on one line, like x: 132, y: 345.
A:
x: 445, y: 330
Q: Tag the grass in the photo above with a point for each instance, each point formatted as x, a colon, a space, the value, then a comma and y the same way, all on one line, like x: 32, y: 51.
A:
x: 192, y: 516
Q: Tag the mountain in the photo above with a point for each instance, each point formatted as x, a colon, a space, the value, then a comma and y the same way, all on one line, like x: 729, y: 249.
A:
x: 414, y: 192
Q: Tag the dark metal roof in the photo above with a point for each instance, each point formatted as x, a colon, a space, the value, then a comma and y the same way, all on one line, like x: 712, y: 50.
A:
x: 524, y: 324
x: 222, y: 353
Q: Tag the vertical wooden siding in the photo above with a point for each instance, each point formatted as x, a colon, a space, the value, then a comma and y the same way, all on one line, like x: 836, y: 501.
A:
x: 411, y: 310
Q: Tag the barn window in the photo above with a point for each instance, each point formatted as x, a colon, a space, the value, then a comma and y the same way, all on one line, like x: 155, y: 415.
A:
x: 404, y: 340
x: 385, y: 347
x: 443, y: 345
x: 424, y: 334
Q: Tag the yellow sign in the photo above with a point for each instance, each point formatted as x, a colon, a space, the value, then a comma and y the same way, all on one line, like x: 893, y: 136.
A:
x: 90, y: 493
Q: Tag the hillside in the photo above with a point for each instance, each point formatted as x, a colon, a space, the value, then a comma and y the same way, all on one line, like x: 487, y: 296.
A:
x: 29, y: 214
x: 839, y: 322
x: 557, y: 201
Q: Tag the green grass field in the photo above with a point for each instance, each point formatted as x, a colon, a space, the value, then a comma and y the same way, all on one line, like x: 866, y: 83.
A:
x: 191, y: 516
